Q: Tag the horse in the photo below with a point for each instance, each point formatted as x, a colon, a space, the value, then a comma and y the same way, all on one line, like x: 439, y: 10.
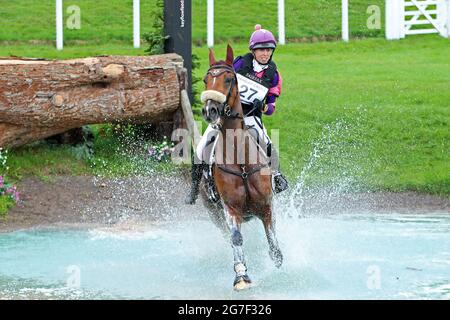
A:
x: 245, y: 188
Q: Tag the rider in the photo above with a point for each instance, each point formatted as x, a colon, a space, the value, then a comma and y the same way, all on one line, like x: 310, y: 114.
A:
x: 259, y: 74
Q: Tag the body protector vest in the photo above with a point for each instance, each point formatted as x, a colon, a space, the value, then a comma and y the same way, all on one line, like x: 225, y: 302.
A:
x: 251, y: 87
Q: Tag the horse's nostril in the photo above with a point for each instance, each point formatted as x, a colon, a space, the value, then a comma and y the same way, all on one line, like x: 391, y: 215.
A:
x: 213, y: 112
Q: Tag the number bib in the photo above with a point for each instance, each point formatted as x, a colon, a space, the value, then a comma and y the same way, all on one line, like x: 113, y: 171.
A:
x: 250, y: 90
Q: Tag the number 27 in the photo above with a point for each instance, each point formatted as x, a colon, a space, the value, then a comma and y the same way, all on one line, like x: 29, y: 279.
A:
x: 245, y: 89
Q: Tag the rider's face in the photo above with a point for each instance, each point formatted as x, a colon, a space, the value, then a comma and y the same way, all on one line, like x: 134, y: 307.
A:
x: 262, y: 55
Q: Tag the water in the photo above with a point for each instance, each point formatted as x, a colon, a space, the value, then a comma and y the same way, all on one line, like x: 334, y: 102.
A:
x: 340, y: 256
x: 338, y: 243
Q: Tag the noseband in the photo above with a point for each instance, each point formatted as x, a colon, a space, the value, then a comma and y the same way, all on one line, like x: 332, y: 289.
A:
x: 226, y: 110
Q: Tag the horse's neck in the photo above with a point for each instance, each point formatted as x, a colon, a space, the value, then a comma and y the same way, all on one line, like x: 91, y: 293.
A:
x: 235, y: 123
x: 237, y: 127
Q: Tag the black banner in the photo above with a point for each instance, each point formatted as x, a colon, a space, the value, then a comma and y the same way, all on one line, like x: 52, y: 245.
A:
x: 178, y: 26
x: 220, y: 309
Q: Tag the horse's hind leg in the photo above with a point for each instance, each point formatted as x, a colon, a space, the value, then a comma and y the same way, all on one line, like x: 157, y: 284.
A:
x: 269, y: 227
x: 234, y: 220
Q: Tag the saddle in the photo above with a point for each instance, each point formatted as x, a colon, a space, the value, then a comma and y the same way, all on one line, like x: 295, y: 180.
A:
x: 208, y: 169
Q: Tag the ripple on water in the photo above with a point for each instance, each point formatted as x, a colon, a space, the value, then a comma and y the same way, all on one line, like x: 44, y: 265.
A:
x: 326, y: 257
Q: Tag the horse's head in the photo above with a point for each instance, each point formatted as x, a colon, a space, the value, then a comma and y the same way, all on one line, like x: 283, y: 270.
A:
x: 221, y: 91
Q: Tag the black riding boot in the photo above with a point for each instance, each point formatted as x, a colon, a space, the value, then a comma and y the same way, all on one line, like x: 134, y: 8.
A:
x: 280, y: 181
x: 197, y: 172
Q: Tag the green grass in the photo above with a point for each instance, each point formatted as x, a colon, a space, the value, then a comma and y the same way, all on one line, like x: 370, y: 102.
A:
x: 70, y: 51
x: 27, y: 28
x: 111, y: 20
x: 123, y: 154
x: 43, y: 161
x: 235, y: 20
x: 372, y: 111
x: 114, y: 155
x: 6, y: 203
x: 101, y: 20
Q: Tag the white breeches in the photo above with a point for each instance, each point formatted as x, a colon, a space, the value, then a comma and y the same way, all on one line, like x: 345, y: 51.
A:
x: 252, y: 123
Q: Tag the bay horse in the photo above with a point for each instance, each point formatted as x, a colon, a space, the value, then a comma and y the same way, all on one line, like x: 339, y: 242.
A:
x: 245, y: 188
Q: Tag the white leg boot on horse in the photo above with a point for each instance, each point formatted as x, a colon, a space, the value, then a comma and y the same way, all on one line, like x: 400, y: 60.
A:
x: 241, y: 280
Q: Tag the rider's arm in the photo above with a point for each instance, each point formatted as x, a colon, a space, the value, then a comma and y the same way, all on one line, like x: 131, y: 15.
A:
x: 274, y: 93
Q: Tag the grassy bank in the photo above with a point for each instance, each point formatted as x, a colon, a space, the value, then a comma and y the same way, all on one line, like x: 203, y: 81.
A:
x: 101, y: 20
x: 111, y: 20
x: 235, y: 20
x: 111, y: 153
x: 72, y: 51
x: 369, y: 113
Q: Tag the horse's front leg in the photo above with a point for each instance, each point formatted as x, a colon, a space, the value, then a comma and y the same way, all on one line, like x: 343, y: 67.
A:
x: 269, y: 227
x: 234, y: 220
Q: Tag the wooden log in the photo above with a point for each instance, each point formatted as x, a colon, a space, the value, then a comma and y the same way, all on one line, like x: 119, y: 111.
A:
x: 179, y: 121
x: 42, y: 98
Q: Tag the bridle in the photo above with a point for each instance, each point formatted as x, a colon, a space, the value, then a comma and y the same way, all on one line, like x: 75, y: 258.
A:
x: 225, y: 109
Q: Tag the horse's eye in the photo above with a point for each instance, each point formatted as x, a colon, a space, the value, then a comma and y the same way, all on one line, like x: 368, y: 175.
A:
x: 227, y: 80
x: 205, y: 79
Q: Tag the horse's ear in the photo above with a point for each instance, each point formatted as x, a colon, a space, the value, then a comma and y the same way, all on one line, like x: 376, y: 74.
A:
x: 212, y: 60
x: 230, y: 55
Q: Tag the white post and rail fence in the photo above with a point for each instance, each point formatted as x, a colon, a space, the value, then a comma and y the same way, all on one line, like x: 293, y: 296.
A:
x: 60, y: 24
x: 402, y: 18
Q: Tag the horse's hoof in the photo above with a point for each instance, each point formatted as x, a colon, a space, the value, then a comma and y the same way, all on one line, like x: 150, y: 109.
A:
x: 241, y: 285
x: 277, y: 257
x: 242, y: 282
x: 279, y: 262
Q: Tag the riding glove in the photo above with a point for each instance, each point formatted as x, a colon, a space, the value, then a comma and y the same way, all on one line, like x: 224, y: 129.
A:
x: 259, y: 105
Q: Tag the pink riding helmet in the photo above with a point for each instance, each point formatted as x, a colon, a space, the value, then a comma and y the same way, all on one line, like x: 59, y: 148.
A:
x: 262, y: 38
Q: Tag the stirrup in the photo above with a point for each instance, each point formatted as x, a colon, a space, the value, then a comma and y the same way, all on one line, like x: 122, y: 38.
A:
x: 280, y: 182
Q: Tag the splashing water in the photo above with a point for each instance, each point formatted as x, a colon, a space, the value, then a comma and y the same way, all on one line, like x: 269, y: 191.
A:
x: 337, y: 243
x: 336, y: 155
x: 348, y: 256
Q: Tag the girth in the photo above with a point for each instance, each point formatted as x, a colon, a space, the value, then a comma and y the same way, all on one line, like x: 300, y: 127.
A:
x: 244, y: 175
